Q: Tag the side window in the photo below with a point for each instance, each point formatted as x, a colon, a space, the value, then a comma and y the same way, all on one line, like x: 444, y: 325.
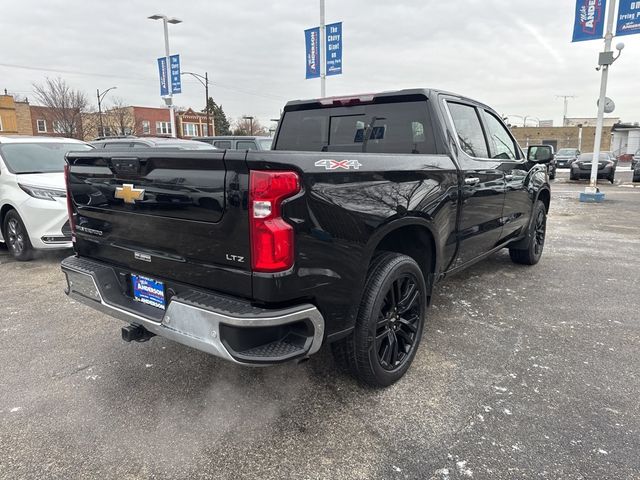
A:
x: 139, y: 145
x: 226, y: 144
x: 501, y: 144
x: 245, y: 145
x: 470, y: 134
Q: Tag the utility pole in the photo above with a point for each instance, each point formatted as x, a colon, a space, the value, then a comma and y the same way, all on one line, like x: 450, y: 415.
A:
x: 205, y: 83
x: 605, y: 60
x: 323, y: 54
x: 566, y: 107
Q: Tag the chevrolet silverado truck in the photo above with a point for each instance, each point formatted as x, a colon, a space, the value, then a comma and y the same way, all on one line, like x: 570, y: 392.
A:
x: 337, y: 235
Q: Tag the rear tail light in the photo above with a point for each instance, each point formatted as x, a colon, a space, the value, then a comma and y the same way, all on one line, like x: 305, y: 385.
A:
x: 72, y: 218
x: 271, y: 236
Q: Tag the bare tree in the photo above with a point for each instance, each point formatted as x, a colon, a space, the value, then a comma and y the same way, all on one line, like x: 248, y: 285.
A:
x: 244, y: 126
x: 120, y: 119
x: 66, y: 105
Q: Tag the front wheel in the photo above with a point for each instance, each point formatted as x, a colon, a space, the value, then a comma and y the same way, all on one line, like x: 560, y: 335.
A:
x: 531, y: 253
x: 15, y: 234
x: 389, y: 323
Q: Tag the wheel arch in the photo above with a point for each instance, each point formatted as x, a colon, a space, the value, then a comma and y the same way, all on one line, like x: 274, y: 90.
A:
x: 411, y: 236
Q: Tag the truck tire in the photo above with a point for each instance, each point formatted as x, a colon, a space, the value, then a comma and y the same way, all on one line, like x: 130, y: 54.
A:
x: 16, y: 237
x: 531, y: 253
x: 389, y: 323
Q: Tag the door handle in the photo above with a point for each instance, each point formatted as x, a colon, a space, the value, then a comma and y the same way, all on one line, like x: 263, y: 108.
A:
x: 471, y: 181
x: 508, y: 177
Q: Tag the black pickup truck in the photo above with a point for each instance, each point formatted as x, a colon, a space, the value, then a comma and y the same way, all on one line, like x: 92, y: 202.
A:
x: 338, y: 235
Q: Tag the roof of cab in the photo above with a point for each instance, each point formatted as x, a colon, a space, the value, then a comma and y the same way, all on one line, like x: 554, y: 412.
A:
x: 368, y: 97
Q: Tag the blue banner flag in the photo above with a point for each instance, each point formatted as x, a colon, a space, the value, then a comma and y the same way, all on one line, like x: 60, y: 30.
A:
x: 176, y: 84
x: 312, y: 43
x: 334, y: 48
x: 628, y: 17
x: 589, y: 21
x: 162, y: 71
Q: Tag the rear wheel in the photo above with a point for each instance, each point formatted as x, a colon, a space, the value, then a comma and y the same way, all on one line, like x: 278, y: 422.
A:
x: 16, y: 237
x: 389, y: 323
x: 530, y: 255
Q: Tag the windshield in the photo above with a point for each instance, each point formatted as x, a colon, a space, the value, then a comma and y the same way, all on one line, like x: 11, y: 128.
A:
x: 566, y: 151
x: 587, y: 157
x: 402, y: 127
x: 38, y: 157
x: 265, y: 143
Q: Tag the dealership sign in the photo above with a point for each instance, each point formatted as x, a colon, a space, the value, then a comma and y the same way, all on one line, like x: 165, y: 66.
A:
x: 332, y: 48
x: 312, y: 43
x: 589, y: 20
x: 628, y: 17
x: 163, y: 72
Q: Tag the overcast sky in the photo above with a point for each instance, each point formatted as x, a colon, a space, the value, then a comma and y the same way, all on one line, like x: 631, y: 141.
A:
x: 514, y: 55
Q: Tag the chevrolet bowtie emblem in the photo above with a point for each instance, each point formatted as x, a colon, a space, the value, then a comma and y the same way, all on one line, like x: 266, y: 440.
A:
x: 129, y: 194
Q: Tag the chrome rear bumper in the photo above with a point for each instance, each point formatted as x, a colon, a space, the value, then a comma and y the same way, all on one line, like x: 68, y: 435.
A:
x: 226, y: 327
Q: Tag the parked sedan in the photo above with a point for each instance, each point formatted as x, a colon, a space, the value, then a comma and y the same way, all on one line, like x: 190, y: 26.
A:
x: 566, y: 156
x: 581, y: 168
x: 33, y: 205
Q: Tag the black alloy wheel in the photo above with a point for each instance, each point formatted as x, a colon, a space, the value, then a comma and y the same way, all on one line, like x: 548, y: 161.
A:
x: 529, y: 251
x: 398, y: 322
x: 540, y: 231
x: 389, y: 324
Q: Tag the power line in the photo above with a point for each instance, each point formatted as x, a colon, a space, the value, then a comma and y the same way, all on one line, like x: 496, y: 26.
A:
x: 137, y: 79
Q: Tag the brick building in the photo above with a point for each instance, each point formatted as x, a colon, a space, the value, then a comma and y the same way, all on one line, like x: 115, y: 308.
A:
x: 190, y: 123
x: 15, y: 116
x: 562, y: 137
x: 47, y: 122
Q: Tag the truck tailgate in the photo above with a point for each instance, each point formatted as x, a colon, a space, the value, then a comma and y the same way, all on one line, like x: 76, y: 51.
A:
x: 175, y: 215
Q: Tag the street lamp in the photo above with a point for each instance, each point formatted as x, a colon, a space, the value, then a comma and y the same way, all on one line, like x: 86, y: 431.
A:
x: 169, y: 99
x: 100, y: 98
x: 205, y: 83
x: 250, y: 124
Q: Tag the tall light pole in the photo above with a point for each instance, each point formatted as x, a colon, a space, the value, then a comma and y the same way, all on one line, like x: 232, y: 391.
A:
x: 605, y: 60
x: 250, y: 124
x: 169, y: 99
x: 100, y: 98
x: 323, y: 54
x: 205, y: 83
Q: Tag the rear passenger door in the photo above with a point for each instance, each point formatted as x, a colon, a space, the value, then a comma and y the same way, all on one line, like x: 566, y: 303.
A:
x: 483, y: 184
x: 517, y: 202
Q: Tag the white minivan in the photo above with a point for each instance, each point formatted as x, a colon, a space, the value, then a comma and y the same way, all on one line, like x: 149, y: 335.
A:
x: 33, y: 205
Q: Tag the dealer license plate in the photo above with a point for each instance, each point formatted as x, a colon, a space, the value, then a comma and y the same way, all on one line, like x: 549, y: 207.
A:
x: 147, y: 290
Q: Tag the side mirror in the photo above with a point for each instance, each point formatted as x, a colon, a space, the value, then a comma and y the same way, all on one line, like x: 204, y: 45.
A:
x: 540, y: 153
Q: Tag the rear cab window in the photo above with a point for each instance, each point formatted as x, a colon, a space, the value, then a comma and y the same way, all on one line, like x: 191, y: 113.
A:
x: 398, y: 127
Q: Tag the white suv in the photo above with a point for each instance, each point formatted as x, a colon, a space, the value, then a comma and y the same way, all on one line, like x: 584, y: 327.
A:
x: 33, y: 206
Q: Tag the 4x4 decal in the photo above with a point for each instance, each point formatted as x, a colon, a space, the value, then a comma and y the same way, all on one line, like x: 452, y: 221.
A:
x: 336, y: 164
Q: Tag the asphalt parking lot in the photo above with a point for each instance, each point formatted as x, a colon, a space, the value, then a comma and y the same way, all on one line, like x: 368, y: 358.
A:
x: 524, y: 372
